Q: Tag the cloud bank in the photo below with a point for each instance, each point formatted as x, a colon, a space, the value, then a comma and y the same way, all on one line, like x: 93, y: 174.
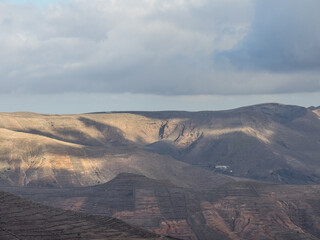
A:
x: 284, y: 37
x: 163, y: 47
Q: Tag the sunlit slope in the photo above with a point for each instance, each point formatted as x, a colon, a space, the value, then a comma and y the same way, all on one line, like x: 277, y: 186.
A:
x: 269, y: 142
x: 316, y: 110
x: 87, y: 129
x: 47, y: 157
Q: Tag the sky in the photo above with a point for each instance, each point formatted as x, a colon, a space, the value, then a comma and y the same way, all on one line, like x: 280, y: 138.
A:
x: 78, y: 56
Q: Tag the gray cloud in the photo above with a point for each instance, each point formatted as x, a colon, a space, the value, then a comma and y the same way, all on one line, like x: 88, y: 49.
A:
x: 150, y: 47
x: 285, y: 37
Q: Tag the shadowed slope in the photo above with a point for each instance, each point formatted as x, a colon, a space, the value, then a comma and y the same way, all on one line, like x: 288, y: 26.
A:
x: 157, y: 206
x: 237, y: 211
x: 269, y: 142
x: 22, y: 219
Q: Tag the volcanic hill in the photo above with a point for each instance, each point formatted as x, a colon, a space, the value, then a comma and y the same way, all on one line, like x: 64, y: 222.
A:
x: 269, y: 142
x: 250, y: 173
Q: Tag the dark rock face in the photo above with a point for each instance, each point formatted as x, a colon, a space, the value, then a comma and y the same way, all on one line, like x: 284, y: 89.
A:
x: 22, y: 219
x: 237, y: 211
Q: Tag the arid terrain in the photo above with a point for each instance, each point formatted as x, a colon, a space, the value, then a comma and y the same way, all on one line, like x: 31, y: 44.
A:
x: 237, y: 210
x: 242, y: 174
x: 269, y: 142
x: 23, y: 219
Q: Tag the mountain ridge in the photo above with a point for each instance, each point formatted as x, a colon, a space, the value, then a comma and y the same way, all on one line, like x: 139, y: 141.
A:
x: 265, y: 142
x: 192, y: 175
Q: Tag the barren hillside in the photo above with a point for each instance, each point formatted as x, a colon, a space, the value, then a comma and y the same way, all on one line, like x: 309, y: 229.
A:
x: 191, y: 175
x: 74, y: 150
x: 234, y: 211
x: 22, y: 219
x: 269, y: 142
